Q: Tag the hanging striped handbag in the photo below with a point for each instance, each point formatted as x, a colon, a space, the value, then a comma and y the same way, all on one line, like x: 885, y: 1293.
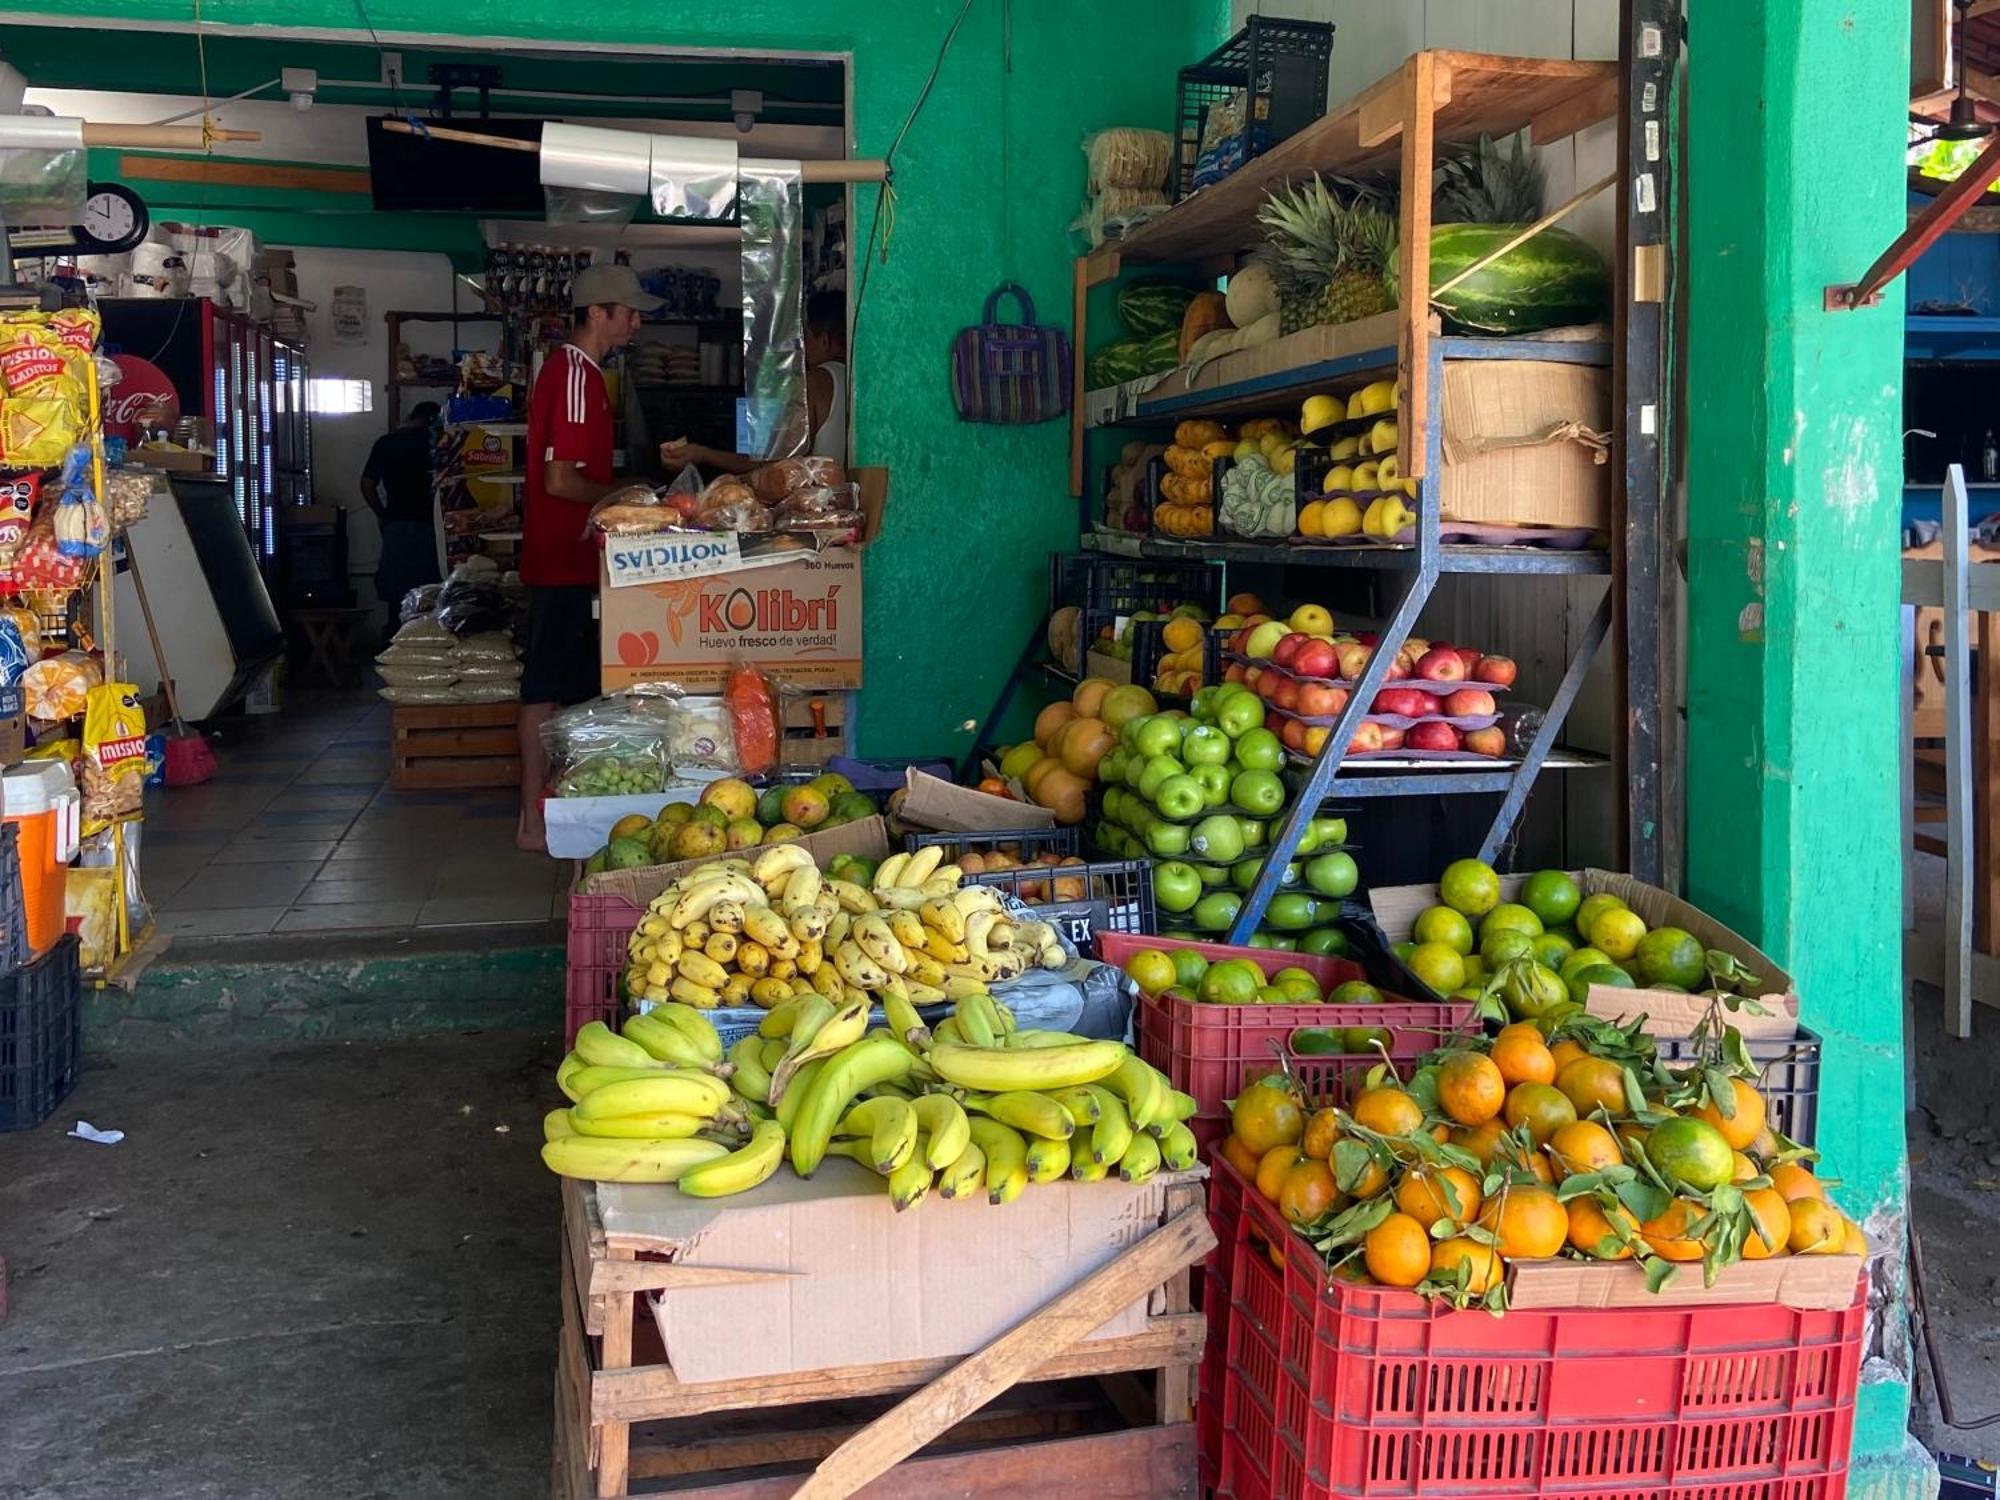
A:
x: 1013, y: 373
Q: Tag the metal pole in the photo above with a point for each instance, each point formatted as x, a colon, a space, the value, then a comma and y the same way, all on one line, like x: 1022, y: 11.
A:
x: 1957, y: 762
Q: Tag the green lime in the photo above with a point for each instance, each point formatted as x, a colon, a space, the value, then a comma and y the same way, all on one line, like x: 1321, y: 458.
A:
x: 1551, y: 895
x: 1189, y: 966
x: 1440, y: 924
x: 1316, y: 1041
x: 1355, y: 992
x: 1510, y: 917
x: 1552, y: 948
x: 1690, y: 1153
x: 1470, y: 886
x: 1592, y: 907
x: 1504, y: 945
x: 1581, y: 958
x: 1610, y: 975
x: 1323, y: 941
x: 1670, y: 955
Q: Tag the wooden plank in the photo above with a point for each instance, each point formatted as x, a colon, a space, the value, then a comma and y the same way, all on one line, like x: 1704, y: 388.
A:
x: 578, y: 1258
x: 573, y: 1366
x: 1143, y: 1463
x: 1414, y: 342
x: 1489, y: 94
x: 675, y: 1453
x: 653, y: 1391
x: 1958, y: 763
x: 1582, y: 109
x: 884, y: 1443
x: 452, y: 715
x: 1173, y: 1393
x: 614, y: 1353
x: 216, y: 172
x: 430, y: 743
x: 612, y: 1276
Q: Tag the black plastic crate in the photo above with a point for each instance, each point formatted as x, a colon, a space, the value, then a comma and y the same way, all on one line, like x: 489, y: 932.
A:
x: 41, y: 1035
x: 1279, y: 68
x: 1149, y: 645
x: 1061, y: 842
x: 1789, y: 1083
x: 13, y: 909
x: 1104, y: 585
x: 1119, y: 890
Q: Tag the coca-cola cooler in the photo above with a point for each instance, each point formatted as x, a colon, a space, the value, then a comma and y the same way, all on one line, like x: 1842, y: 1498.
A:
x: 186, y: 357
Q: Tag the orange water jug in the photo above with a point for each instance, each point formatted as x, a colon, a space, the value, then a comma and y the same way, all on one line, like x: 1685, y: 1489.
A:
x: 40, y: 799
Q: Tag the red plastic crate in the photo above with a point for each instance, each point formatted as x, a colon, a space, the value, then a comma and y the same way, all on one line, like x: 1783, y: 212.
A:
x: 1211, y: 1051
x: 599, y: 928
x: 1368, y: 1391
x: 1209, y: 1384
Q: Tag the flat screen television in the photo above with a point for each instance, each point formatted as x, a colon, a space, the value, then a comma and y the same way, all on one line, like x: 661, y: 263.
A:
x: 418, y: 174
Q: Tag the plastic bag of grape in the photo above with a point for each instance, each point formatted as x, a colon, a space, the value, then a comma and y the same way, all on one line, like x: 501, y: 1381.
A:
x: 614, y: 746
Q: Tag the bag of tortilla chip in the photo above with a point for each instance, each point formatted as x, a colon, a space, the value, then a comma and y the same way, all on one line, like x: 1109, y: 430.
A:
x: 114, y: 754
x: 33, y: 360
x: 36, y: 432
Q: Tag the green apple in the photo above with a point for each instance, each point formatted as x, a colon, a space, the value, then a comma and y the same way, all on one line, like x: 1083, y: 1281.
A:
x: 1176, y: 886
x: 1213, y: 876
x: 1204, y: 745
x: 1112, y: 767
x: 1166, y: 840
x: 1293, y: 911
x: 1135, y: 768
x: 1128, y: 732
x: 1218, y: 838
x: 1330, y: 831
x: 1159, y: 735
x: 1140, y: 818
x: 1158, y: 769
x: 1252, y: 830
x: 1216, y: 911
x: 1333, y: 874
x: 1214, y: 784
x: 1321, y: 940
x: 1237, y: 716
x: 1258, y: 792
x: 1202, y: 705
x: 1178, y: 797
x: 1258, y: 749
x: 1114, y: 803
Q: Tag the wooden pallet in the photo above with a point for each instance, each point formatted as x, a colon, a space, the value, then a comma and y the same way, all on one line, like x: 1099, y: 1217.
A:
x: 1040, y: 1401
x: 440, y: 746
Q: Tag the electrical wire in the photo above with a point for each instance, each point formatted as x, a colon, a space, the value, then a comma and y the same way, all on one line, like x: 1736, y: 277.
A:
x: 888, y: 193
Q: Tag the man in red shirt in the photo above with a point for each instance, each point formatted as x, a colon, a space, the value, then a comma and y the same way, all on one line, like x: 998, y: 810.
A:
x: 568, y: 471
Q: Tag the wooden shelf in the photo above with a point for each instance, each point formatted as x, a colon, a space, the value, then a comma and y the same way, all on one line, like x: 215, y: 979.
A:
x: 1474, y: 93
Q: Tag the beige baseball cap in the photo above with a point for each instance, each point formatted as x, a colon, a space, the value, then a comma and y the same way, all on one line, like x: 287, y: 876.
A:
x: 616, y: 285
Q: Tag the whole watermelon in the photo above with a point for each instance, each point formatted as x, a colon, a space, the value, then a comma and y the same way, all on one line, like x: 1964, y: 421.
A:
x: 1553, y: 280
x: 1150, y: 307
x: 1160, y: 352
x: 1115, y: 363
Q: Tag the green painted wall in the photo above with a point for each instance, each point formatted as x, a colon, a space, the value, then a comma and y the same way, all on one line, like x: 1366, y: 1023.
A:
x: 987, y: 178
x: 1794, y: 488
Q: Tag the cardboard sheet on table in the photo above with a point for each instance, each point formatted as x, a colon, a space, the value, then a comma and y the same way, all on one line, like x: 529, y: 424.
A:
x: 869, y: 1285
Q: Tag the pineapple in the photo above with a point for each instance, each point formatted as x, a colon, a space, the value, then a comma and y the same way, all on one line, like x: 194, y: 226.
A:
x: 1335, y: 258
x: 1485, y: 185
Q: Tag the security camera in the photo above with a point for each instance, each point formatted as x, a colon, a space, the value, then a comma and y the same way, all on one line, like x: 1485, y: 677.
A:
x: 300, y: 84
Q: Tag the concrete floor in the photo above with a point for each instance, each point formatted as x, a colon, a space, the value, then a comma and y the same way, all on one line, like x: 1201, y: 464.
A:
x: 313, y: 1270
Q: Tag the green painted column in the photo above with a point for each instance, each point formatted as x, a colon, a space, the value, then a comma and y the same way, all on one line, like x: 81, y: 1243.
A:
x: 1796, y: 116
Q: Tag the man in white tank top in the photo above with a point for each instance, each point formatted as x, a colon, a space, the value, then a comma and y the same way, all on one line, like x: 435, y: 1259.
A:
x: 826, y: 396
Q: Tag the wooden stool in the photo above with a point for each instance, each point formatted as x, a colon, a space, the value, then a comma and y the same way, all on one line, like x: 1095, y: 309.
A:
x: 333, y: 641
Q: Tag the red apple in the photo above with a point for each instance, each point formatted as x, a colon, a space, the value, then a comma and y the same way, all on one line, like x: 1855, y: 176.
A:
x: 1254, y: 675
x: 1287, y: 695
x: 1441, y: 665
x: 1392, y: 739
x: 1287, y: 649
x: 1467, y: 703
x: 1416, y: 646
x: 1409, y: 702
x: 1367, y: 737
x: 1317, y: 658
x: 1313, y: 740
x: 1498, y: 670
x: 1353, y: 661
x: 1489, y: 741
x: 1432, y: 734
x: 1292, y: 734
x: 1317, y: 701
x: 1236, y: 672
x: 1398, y: 670
x: 1470, y: 657
x: 1367, y: 637
x: 1266, y: 687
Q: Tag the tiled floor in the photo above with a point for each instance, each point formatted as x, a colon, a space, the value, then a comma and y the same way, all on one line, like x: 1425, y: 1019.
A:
x: 301, y: 832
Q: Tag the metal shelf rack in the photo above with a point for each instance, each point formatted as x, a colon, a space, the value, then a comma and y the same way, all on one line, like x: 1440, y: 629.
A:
x: 1432, y: 99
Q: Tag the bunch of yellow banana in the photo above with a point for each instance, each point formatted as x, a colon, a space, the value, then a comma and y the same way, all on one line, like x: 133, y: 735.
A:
x: 649, y: 1106
x: 733, y: 932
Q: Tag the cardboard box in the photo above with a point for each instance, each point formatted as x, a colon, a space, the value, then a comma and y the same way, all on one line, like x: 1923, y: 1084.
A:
x: 868, y: 837
x: 1523, y: 443
x: 944, y: 806
x: 1822, y: 1282
x: 1295, y: 351
x: 1104, y: 664
x: 858, y: 1283
x: 800, y: 620
x: 1668, y: 1014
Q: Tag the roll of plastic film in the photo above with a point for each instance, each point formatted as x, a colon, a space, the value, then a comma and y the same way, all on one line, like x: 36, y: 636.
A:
x: 692, y: 178
x: 596, y: 160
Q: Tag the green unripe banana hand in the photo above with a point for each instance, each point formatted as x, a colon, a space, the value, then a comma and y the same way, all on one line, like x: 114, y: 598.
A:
x: 872, y: 1060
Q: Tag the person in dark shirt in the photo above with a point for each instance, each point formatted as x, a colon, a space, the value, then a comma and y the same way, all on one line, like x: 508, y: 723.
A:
x: 396, y: 485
